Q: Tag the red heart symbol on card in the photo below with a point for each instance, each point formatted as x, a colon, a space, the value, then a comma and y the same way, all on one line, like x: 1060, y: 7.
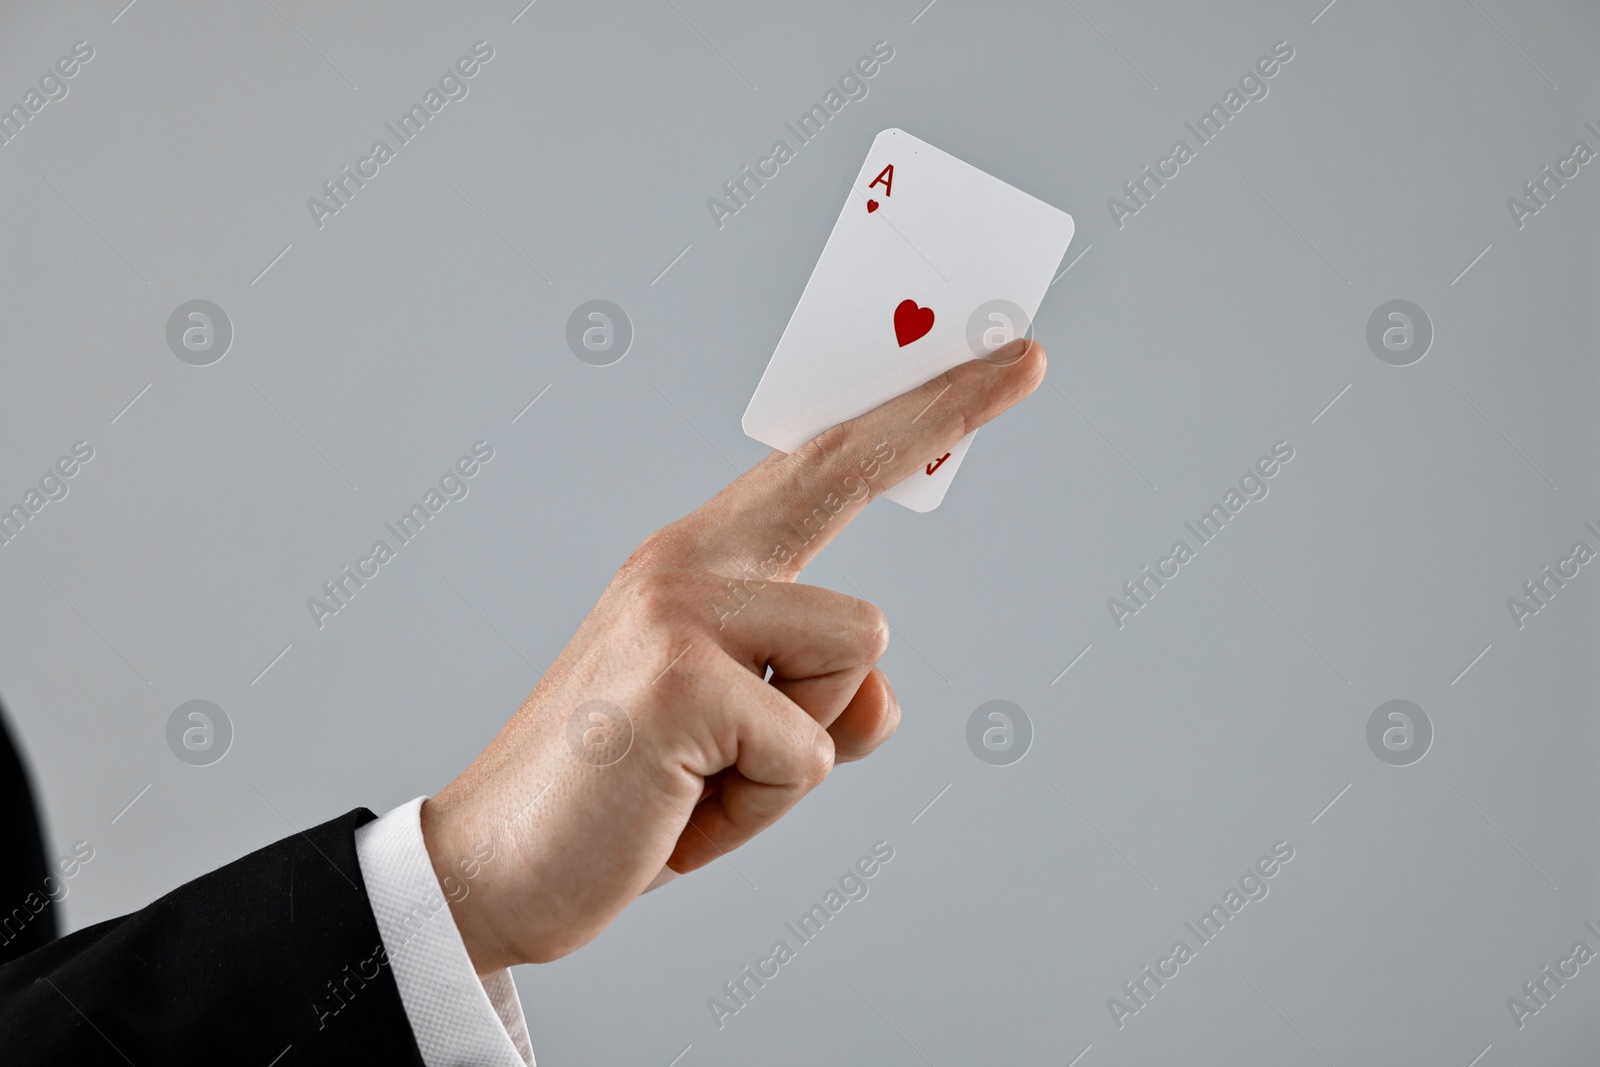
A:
x: 872, y: 205
x: 911, y: 322
x: 936, y: 464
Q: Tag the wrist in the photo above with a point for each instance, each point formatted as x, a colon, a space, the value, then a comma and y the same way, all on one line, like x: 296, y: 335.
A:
x: 459, y: 865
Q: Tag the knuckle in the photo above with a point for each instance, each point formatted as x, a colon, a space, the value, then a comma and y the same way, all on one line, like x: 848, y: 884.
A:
x: 675, y: 674
x: 647, y: 555
x: 679, y: 545
x: 941, y: 384
x: 824, y: 448
x: 944, y: 393
x: 873, y: 629
x: 657, y: 597
x: 817, y: 760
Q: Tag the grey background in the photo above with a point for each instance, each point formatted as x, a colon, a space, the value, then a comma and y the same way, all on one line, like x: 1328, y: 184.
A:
x: 1222, y: 318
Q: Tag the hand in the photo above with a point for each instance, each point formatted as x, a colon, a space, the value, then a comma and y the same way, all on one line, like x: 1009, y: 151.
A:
x: 655, y: 743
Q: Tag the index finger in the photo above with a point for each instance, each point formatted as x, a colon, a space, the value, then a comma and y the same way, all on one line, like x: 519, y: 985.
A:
x: 778, y: 515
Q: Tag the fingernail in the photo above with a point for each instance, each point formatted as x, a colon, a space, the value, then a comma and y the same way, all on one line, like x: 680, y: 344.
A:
x: 1008, y: 353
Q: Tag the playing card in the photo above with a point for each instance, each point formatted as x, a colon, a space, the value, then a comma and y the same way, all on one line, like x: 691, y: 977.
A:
x: 931, y: 263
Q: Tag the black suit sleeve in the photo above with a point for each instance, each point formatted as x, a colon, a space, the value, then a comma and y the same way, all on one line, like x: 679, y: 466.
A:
x: 26, y: 882
x: 273, y: 959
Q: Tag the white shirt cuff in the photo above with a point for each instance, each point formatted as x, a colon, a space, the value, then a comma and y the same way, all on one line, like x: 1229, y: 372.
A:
x: 457, y: 1019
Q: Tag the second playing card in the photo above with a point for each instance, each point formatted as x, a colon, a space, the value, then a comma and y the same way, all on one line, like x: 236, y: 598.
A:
x: 931, y: 263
